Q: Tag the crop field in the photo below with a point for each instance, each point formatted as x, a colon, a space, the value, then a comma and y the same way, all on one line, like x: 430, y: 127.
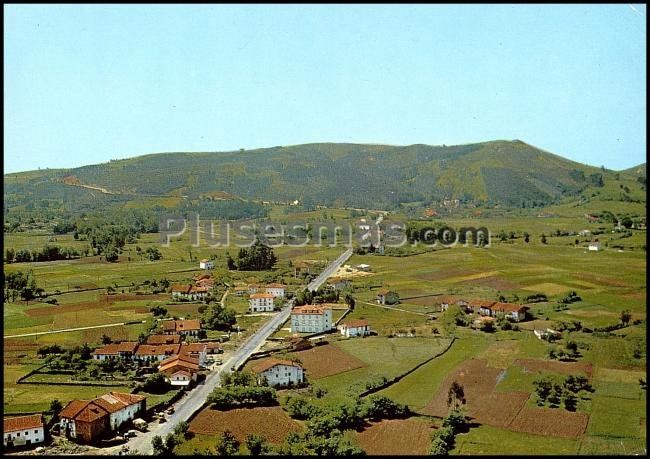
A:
x: 396, y: 437
x: 271, y: 422
x: 322, y: 361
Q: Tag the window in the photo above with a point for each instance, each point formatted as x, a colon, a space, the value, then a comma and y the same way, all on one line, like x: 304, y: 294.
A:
x: 36, y: 431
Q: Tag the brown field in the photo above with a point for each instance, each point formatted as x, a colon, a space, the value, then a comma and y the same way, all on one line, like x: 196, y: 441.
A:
x: 483, y: 403
x: 104, y: 300
x: 327, y: 360
x: 555, y: 367
x: 271, y: 422
x: 550, y: 422
x: 600, y: 280
x: 396, y: 436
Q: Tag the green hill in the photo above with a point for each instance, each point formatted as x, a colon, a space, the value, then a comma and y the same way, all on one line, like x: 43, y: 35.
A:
x: 509, y: 173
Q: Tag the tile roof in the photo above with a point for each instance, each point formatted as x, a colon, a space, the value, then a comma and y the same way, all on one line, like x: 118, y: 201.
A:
x: 480, y: 303
x: 508, y: 307
x: 92, y: 410
x: 266, y: 364
x: 308, y: 309
x: 32, y: 421
x: 182, y: 288
x: 192, y: 347
x: 159, y: 349
x: 356, y: 323
x: 275, y: 285
x: 73, y: 408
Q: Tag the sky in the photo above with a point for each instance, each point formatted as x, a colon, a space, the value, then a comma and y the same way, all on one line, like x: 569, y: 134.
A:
x: 86, y: 84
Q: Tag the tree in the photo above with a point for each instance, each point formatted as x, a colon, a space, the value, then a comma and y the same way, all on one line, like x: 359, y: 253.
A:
x: 156, y: 384
x: 106, y: 339
x: 227, y: 445
x: 526, y: 237
x: 182, y: 430
x: 256, y: 445
x: 55, y: 407
x: 543, y: 238
x: 543, y: 386
x: 626, y: 316
x: 455, y: 396
x: 158, y: 446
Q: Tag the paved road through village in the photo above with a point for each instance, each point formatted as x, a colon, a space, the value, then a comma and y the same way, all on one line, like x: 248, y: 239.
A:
x: 195, y: 399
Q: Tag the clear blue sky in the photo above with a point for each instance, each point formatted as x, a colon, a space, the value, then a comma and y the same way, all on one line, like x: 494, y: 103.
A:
x: 85, y: 84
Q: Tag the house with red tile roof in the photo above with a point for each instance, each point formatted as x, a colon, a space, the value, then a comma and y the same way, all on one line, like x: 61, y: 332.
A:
x: 278, y: 372
x: 125, y: 349
x: 351, y: 328
x: 275, y: 289
x: 189, y: 292
x: 163, y: 339
x: 158, y: 352
x: 23, y: 430
x: 311, y: 319
x: 181, y: 327
x: 89, y: 420
x: 180, y: 370
x: 261, y: 302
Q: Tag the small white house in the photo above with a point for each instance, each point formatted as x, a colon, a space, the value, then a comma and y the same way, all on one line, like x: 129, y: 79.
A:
x: 261, y: 302
x: 355, y: 328
x: 277, y: 290
x: 206, y: 264
x: 279, y: 372
x: 23, y: 430
x: 594, y: 246
x: 363, y: 267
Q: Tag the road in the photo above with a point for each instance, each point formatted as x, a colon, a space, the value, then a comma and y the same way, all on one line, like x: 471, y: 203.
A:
x: 68, y: 330
x: 195, y: 399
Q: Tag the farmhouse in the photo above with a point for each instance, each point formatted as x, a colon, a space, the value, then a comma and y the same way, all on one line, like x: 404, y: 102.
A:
x: 277, y: 290
x: 163, y: 339
x: 147, y: 353
x: 206, y: 264
x: 339, y: 283
x: 279, y: 372
x: 253, y: 288
x: 363, y: 267
x: 23, y: 430
x: 355, y: 328
x: 180, y: 370
x: 448, y: 300
x: 194, y: 350
x: 125, y: 349
x: 88, y: 420
x: 240, y: 290
x: 482, y: 307
x: 207, y: 283
x: 311, y: 319
x: 594, y: 246
x: 261, y: 302
x: 385, y: 296
x: 545, y: 334
x: 189, y: 292
x: 584, y: 232
x: 181, y: 327
x: 516, y: 312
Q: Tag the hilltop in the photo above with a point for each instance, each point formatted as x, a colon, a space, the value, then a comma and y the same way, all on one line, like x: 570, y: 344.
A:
x: 507, y: 173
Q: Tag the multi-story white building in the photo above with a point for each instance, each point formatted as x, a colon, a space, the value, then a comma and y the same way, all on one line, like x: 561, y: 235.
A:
x: 206, y: 264
x: 23, y: 430
x: 311, y: 319
x: 277, y: 290
x: 279, y: 372
x: 261, y: 302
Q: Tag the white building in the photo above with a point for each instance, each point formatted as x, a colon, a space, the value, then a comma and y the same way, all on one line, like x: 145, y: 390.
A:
x: 277, y: 290
x: 206, y: 264
x: 363, y: 267
x: 279, y: 372
x: 594, y: 246
x: 311, y: 319
x: 355, y: 328
x: 23, y: 430
x: 261, y: 302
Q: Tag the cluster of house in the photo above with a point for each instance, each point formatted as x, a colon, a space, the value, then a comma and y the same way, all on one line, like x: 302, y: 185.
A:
x: 203, y: 284
x: 178, y: 361
x: 89, y: 420
x: 515, y: 312
x: 261, y: 297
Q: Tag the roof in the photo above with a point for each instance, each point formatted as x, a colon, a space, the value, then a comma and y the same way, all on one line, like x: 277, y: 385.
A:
x: 205, y: 282
x: 32, y: 421
x: 446, y: 299
x: 481, y: 303
x: 181, y: 325
x: 202, y: 276
x: 205, y: 260
x: 267, y: 364
x: 182, y: 372
x: 116, y: 348
x: 73, y: 408
x: 91, y: 412
x: 275, y: 285
x: 385, y: 291
x: 180, y: 358
x: 213, y: 345
x: 163, y: 339
x: 508, y: 307
x: 308, y: 309
x: 356, y: 323
x: 363, y: 265
x: 158, y: 349
x: 175, y: 365
x: 193, y: 347
x: 183, y: 288
x: 256, y: 296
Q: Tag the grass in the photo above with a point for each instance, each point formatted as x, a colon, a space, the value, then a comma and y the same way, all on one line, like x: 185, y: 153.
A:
x: 616, y: 417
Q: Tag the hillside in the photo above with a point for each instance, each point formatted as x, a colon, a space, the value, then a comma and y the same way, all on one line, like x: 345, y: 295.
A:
x: 509, y: 173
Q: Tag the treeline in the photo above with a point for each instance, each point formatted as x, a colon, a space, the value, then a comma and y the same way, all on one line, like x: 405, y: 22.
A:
x: 47, y: 253
x: 258, y: 257
x: 21, y: 285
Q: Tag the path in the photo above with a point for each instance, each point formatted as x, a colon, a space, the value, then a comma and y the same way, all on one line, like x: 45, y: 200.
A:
x: 70, y: 329
x: 195, y: 399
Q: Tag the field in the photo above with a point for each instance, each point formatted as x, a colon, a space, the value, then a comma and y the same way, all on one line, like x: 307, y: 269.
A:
x: 396, y: 437
x: 271, y: 422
